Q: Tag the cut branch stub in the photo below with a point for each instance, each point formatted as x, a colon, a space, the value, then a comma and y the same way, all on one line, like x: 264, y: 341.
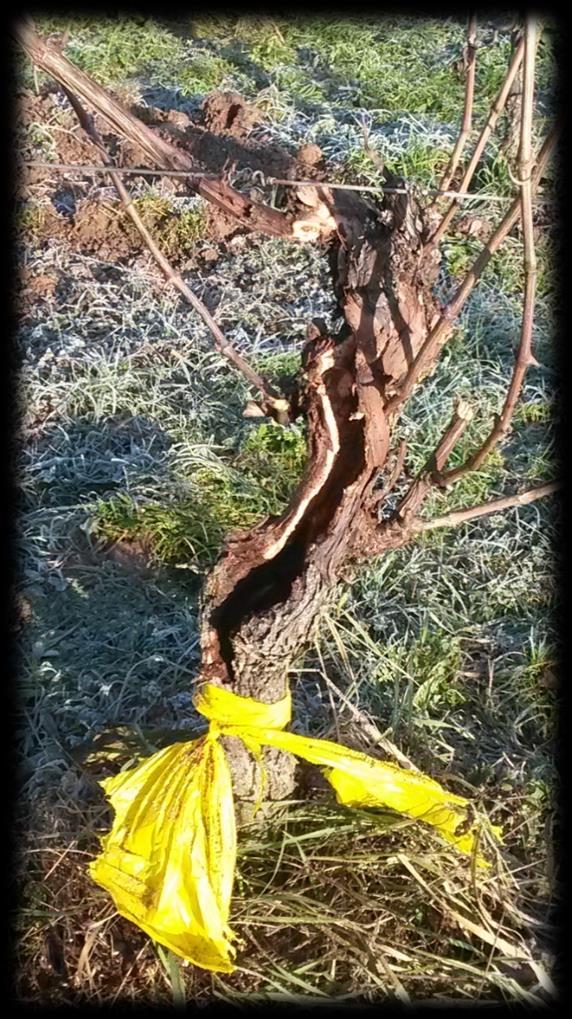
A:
x: 485, y: 509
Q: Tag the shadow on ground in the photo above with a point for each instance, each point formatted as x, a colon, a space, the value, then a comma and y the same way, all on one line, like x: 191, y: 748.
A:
x: 106, y: 637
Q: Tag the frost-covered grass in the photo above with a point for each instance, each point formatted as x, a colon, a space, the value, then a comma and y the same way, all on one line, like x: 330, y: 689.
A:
x: 137, y: 461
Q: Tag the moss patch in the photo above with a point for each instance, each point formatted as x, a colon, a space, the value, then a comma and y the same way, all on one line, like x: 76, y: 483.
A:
x: 174, y: 232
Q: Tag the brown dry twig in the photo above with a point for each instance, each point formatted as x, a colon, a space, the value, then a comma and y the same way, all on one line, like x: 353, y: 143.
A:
x: 441, y: 330
x: 466, y: 124
x: 486, y: 508
x: 529, y: 180
x: 488, y: 128
x: 431, y: 472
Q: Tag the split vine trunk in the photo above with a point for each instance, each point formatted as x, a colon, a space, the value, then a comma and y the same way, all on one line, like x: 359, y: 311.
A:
x: 264, y: 597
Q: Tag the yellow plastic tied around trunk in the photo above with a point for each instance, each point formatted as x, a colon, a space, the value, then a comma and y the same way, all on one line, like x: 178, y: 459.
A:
x: 170, y: 857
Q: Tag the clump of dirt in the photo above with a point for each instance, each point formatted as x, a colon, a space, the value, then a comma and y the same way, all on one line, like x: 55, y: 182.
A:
x: 100, y: 229
x: 220, y: 226
x: 42, y: 118
x: 310, y: 163
x: 38, y: 107
x: 229, y: 113
x: 132, y: 555
x: 310, y: 156
x: 218, y: 138
x: 35, y: 287
x: 96, y: 229
x: 76, y: 150
x: 69, y: 212
x: 22, y: 613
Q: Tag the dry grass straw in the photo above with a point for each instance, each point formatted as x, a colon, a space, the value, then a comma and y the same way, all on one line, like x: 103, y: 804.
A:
x: 329, y: 903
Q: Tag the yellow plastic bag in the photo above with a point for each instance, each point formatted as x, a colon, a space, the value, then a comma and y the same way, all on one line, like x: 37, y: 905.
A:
x: 169, y: 859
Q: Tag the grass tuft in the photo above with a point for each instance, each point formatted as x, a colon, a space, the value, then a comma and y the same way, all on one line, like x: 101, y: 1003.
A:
x: 190, y: 530
x: 175, y: 232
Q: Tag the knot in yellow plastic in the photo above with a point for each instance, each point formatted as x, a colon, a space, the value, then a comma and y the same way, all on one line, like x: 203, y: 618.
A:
x: 229, y: 709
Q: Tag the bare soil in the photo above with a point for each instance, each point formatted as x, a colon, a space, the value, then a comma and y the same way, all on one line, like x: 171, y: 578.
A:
x: 73, y: 212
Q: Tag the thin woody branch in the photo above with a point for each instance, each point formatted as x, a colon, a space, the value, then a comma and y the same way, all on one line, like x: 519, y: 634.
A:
x: 431, y: 472
x: 273, y: 402
x: 511, y: 140
x: 524, y: 356
x: 485, y: 509
x: 470, y: 69
x: 402, y: 525
x: 488, y: 128
x: 440, y: 332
